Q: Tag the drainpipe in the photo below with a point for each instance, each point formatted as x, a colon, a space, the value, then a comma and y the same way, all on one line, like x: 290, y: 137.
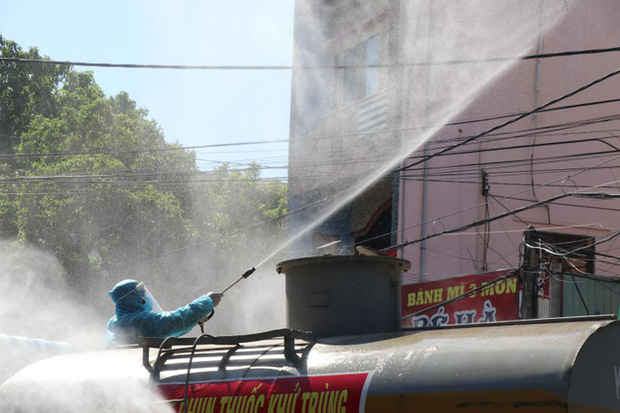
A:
x: 398, y: 185
x: 539, y: 47
x: 423, y: 229
x: 424, y: 214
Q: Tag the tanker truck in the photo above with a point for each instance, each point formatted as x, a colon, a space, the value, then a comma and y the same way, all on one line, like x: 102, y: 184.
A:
x: 342, y: 351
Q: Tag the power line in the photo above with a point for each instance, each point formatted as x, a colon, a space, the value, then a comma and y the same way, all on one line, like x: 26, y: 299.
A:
x: 304, y: 67
x: 144, y: 66
x: 514, y: 211
x: 593, y: 277
x: 463, y: 170
x: 498, y: 117
x: 129, y: 175
x: 344, y: 158
x: 515, y: 161
x: 557, y: 249
x: 509, y: 122
x: 587, y: 276
x: 503, y: 215
x: 542, y: 131
x: 169, y: 148
x: 456, y: 123
x: 459, y: 169
x: 565, y: 254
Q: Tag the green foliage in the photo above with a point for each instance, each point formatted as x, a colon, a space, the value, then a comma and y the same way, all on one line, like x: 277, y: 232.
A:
x: 26, y: 90
x: 93, y: 180
x: 238, y: 213
x: 85, y: 184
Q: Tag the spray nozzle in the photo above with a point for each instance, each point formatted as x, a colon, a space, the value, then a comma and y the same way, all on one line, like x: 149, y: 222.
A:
x: 249, y: 272
x: 245, y: 275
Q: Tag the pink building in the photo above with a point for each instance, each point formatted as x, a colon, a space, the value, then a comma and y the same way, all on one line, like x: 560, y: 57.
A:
x: 424, y: 89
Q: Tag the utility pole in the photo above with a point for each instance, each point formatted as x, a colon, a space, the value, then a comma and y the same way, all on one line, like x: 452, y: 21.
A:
x: 529, y: 297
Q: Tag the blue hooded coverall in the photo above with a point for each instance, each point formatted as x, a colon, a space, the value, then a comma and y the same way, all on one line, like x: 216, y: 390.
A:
x: 134, y: 318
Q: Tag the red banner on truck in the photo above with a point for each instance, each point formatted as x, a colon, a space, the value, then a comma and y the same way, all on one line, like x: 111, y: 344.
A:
x: 492, y: 298
x: 304, y: 394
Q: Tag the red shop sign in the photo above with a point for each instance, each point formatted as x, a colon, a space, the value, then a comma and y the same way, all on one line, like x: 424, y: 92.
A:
x: 337, y: 392
x: 498, y: 301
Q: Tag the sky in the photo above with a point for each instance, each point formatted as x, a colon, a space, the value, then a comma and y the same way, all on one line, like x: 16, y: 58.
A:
x: 193, y: 107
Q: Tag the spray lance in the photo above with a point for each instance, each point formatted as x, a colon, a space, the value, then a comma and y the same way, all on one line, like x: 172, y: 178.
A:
x: 243, y: 277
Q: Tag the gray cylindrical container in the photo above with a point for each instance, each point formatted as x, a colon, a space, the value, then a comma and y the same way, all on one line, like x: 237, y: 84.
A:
x: 343, y: 295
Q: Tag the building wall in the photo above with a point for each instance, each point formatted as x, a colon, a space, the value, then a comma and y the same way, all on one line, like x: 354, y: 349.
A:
x: 343, y: 118
x: 517, y: 88
x: 447, y: 72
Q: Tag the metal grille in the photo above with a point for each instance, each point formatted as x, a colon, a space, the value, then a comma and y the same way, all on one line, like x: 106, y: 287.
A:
x: 373, y: 114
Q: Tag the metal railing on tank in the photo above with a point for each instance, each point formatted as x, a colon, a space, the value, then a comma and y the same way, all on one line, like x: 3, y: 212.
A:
x: 218, y: 353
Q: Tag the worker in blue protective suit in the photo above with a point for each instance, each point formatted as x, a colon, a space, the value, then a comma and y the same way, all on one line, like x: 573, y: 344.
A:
x: 139, y: 315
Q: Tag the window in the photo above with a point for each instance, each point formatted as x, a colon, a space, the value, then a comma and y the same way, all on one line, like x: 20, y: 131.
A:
x: 373, y: 56
x: 565, y: 254
x: 360, y: 74
x: 353, y: 73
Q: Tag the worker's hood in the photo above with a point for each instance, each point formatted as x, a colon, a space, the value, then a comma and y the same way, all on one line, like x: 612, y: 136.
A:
x: 132, y: 295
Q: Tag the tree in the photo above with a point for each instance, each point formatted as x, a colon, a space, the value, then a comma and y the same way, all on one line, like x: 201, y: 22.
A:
x: 237, y: 214
x: 92, y: 180
x: 25, y: 91
x: 98, y: 183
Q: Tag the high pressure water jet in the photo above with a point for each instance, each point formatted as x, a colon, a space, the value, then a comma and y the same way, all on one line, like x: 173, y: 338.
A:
x: 243, y: 277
